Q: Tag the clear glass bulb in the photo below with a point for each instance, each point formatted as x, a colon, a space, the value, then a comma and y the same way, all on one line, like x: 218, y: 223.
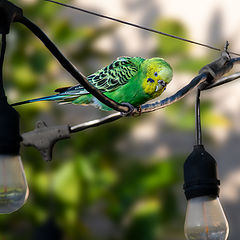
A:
x: 205, y: 219
x: 13, y: 184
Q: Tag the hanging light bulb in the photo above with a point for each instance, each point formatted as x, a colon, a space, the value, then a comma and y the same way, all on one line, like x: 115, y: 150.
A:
x: 205, y: 219
x: 13, y: 185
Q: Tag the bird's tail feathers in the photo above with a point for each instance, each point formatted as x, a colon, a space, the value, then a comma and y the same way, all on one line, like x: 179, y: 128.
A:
x: 48, y: 98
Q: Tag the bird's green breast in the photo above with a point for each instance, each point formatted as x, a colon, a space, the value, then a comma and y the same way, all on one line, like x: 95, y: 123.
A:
x: 132, y: 92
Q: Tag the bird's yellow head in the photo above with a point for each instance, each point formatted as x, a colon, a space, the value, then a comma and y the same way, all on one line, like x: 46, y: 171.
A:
x: 157, y: 74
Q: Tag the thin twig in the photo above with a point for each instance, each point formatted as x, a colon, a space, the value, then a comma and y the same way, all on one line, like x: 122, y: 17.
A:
x: 140, y: 27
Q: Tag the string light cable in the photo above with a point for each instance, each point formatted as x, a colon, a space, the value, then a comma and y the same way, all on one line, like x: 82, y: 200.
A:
x: 207, y: 77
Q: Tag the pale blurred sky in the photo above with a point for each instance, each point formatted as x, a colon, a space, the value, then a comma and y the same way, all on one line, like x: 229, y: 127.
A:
x: 200, y: 17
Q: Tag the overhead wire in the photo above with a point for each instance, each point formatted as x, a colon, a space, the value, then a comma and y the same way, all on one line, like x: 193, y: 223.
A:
x: 139, y: 26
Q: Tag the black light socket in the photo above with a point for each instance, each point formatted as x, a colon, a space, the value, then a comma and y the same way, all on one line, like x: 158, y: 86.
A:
x: 9, y: 129
x: 200, y: 174
x: 8, y: 13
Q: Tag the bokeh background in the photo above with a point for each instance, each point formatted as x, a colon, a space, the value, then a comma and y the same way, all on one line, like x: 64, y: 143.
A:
x: 121, y: 181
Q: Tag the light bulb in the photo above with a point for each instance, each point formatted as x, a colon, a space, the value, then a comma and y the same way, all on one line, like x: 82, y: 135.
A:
x: 13, y: 184
x: 205, y: 219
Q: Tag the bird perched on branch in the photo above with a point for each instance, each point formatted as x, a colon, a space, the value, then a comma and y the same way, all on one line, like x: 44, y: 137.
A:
x: 131, y: 80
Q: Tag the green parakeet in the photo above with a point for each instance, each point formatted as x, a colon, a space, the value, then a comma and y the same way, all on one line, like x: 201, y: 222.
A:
x: 133, y: 80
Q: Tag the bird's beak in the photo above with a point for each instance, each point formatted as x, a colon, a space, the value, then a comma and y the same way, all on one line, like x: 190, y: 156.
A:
x: 161, y: 84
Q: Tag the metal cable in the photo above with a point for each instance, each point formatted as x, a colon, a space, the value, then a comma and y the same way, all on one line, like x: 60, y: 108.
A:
x: 140, y: 27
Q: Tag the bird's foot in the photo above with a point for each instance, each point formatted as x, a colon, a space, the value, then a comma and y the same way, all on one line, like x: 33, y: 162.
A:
x: 130, y: 111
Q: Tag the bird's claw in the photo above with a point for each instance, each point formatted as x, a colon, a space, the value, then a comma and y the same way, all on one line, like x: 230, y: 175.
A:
x: 139, y: 109
x: 130, y: 111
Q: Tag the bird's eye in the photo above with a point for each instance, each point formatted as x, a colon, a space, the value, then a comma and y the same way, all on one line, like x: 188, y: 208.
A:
x: 155, y: 74
x: 150, y: 80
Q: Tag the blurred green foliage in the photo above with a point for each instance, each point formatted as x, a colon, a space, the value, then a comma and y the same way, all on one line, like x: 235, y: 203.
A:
x: 90, y: 190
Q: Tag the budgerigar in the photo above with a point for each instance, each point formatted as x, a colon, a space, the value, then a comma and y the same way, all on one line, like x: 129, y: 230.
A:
x: 133, y: 80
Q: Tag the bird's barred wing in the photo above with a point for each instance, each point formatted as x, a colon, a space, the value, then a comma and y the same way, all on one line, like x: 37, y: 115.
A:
x: 113, y: 76
x: 109, y: 78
